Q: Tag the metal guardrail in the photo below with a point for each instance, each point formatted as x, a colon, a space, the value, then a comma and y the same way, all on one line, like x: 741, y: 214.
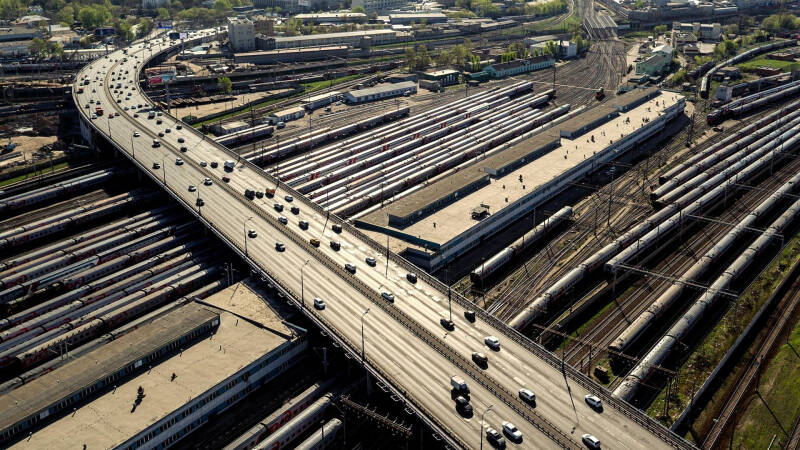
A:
x: 624, y: 407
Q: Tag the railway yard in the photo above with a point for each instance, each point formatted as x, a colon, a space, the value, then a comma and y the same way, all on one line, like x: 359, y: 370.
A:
x: 642, y: 246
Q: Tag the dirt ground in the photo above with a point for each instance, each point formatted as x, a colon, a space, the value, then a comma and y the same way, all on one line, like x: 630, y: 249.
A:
x: 27, y: 145
x: 212, y: 108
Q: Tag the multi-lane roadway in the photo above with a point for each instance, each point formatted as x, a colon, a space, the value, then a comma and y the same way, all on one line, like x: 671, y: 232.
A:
x: 404, y: 340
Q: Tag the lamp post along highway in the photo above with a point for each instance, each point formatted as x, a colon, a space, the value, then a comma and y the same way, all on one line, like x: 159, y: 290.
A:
x: 244, y: 230
x: 482, y: 416
x: 362, y: 334
x: 302, y: 286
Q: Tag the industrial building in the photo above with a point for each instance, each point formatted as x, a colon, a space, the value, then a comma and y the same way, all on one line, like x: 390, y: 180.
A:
x: 446, y: 77
x: 704, y: 31
x: 518, y: 66
x: 657, y: 62
x: 428, y: 18
x: 221, y: 129
x: 241, y: 34
x: 386, y: 90
x: 448, y: 217
x: 332, y: 18
x: 318, y: 101
x: 290, y: 55
x: 379, y: 5
x: 351, y: 38
x: 155, y: 385
x: 566, y: 49
x: 287, y: 115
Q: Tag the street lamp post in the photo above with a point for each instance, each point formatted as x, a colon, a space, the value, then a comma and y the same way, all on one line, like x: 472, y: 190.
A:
x: 244, y: 230
x: 133, y: 149
x: 164, y: 168
x: 302, y: 287
x: 482, y: 415
x: 362, y: 334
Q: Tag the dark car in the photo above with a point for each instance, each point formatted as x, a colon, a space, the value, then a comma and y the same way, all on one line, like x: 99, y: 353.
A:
x: 495, y: 438
x: 411, y: 277
x: 447, y: 324
x: 469, y: 315
x: 463, y: 406
x: 480, y: 359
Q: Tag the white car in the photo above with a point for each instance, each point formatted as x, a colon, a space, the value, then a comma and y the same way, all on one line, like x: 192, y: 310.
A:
x: 319, y: 303
x: 207, y: 182
x: 593, y: 401
x: 527, y: 395
x: 591, y: 441
x: 192, y: 188
x: 512, y: 431
x: 135, y: 134
x: 179, y: 162
x: 492, y: 342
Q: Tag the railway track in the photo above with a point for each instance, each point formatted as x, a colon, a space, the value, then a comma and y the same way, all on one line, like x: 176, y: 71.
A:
x: 740, y: 395
x: 49, y: 210
x: 629, y: 305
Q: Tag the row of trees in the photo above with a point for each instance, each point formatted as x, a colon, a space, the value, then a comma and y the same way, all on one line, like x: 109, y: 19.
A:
x: 777, y: 22
x: 550, y: 8
x: 39, y: 48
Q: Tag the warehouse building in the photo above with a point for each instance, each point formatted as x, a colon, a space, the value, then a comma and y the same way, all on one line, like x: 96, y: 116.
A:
x: 451, y: 216
x: 332, y: 18
x: 287, y: 115
x: 518, y: 66
x: 429, y: 18
x: 221, y: 129
x: 318, y: 101
x: 378, y: 5
x: 290, y: 55
x: 155, y: 385
x: 446, y: 77
x: 657, y: 62
x: 351, y: 38
x: 381, y: 91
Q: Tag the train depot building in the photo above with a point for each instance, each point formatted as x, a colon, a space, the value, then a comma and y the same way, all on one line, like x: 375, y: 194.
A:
x: 452, y: 215
x: 158, y: 383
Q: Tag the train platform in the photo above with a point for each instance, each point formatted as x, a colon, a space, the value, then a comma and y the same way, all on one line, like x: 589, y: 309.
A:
x: 521, y: 178
x: 179, y: 392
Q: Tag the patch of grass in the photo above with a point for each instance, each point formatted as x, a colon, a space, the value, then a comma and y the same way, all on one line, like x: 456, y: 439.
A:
x: 785, y: 66
x: 781, y: 391
x: 696, y: 369
x: 56, y: 167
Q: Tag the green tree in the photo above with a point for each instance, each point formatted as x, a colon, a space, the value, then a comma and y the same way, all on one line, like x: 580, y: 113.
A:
x: 37, y: 48
x: 444, y: 58
x: 222, y: 5
x: 358, y: 9
x: 11, y: 9
x: 94, y: 16
x: 518, y: 49
x: 66, y: 15
x: 163, y: 13
x: 55, y: 50
x: 411, y: 58
x: 660, y: 29
x: 224, y: 84
x: 144, y: 26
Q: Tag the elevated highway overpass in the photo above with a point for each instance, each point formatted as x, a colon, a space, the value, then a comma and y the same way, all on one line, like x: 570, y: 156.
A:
x: 402, y: 343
